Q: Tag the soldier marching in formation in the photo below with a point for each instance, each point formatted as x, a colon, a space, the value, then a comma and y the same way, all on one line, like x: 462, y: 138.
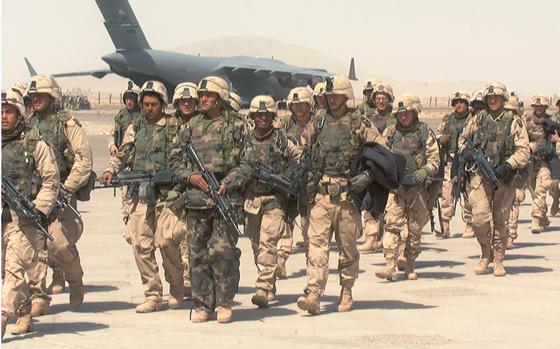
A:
x: 190, y: 179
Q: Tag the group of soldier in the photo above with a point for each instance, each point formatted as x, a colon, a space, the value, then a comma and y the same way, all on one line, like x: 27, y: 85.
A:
x: 374, y: 169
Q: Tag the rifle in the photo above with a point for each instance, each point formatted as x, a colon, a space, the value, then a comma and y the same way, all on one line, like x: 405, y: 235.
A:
x: 23, y: 206
x: 460, y: 179
x: 223, y: 203
x: 161, y: 177
x: 62, y: 200
x: 486, y: 169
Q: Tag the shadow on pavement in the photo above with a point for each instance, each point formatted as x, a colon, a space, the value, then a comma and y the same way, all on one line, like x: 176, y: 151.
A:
x: 522, y: 256
x: 532, y: 244
x: 41, y: 330
x: 440, y: 275
x: 440, y: 263
x: 527, y: 270
x: 91, y: 307
x: 99, y: 288
x: 255, y: 314
x: 377, y: 304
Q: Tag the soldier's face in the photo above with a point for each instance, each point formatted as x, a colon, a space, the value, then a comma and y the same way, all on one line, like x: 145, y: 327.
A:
x: 461, y: 106
x: 335, y: 101
x: 41, y: 102
x: 9, y: 117
x: 495, y: 103
x: 187, y: 106
x: 320, y: 102
x: 208, y: 101
x: 406, y: 118
x: 263, y: 120
x: 300, y: 110
x: 130, y: 102
x: 381, y: 101
x: 152, y: 107
x: 539, y: 109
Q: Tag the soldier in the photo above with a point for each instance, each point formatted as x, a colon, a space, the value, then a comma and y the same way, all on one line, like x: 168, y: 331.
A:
x: 519, y: 183
x: 502, y: 137
x: 380, y: 117
x: 147, y: 145
x: 75, y: 160
x: 334, y: 138
x: 300, y: 103
x: 124, y: 118
x: 448, y: 135
x: 265, y: 207
x: 477, y: 102
x: 214, y: 258
x: 21, y: 89
x: 234, y: 103
x: 319, y: 97
x: 407, y: 207
x: 541, y: 148
x: 185, y: 102
x: 29, y: 163
x: 368, y: 104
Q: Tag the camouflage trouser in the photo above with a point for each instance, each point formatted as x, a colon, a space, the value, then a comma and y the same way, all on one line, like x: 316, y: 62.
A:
x: 265, y: 230
x: 325, y: 217
x: 554, y: 189
x: 23, y: 247
x: 407, y: 214
x: 126, y: 207
x: 519, y: 185
x: 286, y: 241
x: 447, y: 211
x: 543, y: 185
x: 490, y: 210
x: 151, y: 227
x: 66, y: 230
x: 185, y: 259
x: 214, y: 262
x: 373, y: 231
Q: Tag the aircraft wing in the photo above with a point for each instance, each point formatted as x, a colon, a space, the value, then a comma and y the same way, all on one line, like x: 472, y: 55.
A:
x: 266, y: 66
x: 98, y: 73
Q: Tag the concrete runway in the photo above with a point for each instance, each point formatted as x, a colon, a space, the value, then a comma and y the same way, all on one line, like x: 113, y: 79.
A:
x: 447, y: 307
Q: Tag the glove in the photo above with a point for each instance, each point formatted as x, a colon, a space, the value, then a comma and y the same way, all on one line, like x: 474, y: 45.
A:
x: 468, y: 154
x: 360, y: 182
x: 503, y: 170
x: 419, y: 176
x: 444, y: 139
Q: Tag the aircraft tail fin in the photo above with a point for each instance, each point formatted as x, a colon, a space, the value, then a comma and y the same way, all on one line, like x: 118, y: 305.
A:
x: 32, y: 71
x: 352, y: 72
x: 122, y: 25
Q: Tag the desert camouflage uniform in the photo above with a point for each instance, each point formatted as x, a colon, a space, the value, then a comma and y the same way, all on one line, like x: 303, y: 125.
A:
x: 265, y: 208
x: 153, y: 222
x: 491, y: 208
x: 452, y: 125
x: 29, y: 163
x: 75, y: 161
x: 407, y: 207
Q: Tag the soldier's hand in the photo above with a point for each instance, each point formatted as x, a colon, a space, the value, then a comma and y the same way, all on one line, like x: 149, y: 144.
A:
x: 444, y: 139
x: 420, y: 176
x: 468, y: 155
x: 222, y: 190
x: 360, y: 182
x: 106, y: 178
x: 197, y: 181
x: 113, y: 150
x: 554, y: 138
x: 503, y: 170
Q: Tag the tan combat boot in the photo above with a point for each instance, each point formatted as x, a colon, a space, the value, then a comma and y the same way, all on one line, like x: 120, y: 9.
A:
x: 57, y: 285
x: 271, y: 294
x: 368, y: 245
x: 224, y: 314
x: 401, y: 259
x: 260, y: 299
x: 310, y: 303
x: 536, y: 226
x: 176, y: 294
x: 200, y: 315
x: 280, y: 271
x: 148, y: 306
x: 346, y: 300
x: 23, y: 325
x: 388, y: 273
x: 76, y: 294
x: 40, y: 306
x: 485, y: 260
x: 510, y: 243
x: 409, y: 270
x: 4, y: 324
x: 499, y: 269
x: 469, y: 231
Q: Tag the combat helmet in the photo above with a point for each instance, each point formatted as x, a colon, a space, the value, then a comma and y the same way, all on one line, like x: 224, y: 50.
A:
x: 234, y: 102
x: 214, y: 84
x: 44, y: 83
x: 300, y: 95
x: 131, y: 89
x: 385, y: 89
x: 540, y: 99
x: 408, y: 102
x: 495, y: 88
x: 460, y: 96
x: 184, y: 90
x: 156, y: 87
x: 341, y: 85
x: 13, y: 98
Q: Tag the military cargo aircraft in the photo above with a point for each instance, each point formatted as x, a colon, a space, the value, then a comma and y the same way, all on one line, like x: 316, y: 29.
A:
x: 134, y: 59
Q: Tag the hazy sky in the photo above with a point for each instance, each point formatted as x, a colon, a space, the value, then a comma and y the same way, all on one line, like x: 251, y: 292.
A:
x: 517, y: 42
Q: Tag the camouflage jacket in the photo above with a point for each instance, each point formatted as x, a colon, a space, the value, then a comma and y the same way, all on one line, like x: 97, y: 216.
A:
x: 218, y: 143
x: 537, y: 137
x: 70, y: 144
x: 122, y: 120
x: 29, y: 163
x: 452, y: 125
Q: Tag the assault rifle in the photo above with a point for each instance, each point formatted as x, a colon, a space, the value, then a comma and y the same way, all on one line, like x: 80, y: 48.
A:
x: 22, y: 206
x: 223, y: 203
x: 161, y: 177
x: 486, y: 169
x: 62, y: 200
